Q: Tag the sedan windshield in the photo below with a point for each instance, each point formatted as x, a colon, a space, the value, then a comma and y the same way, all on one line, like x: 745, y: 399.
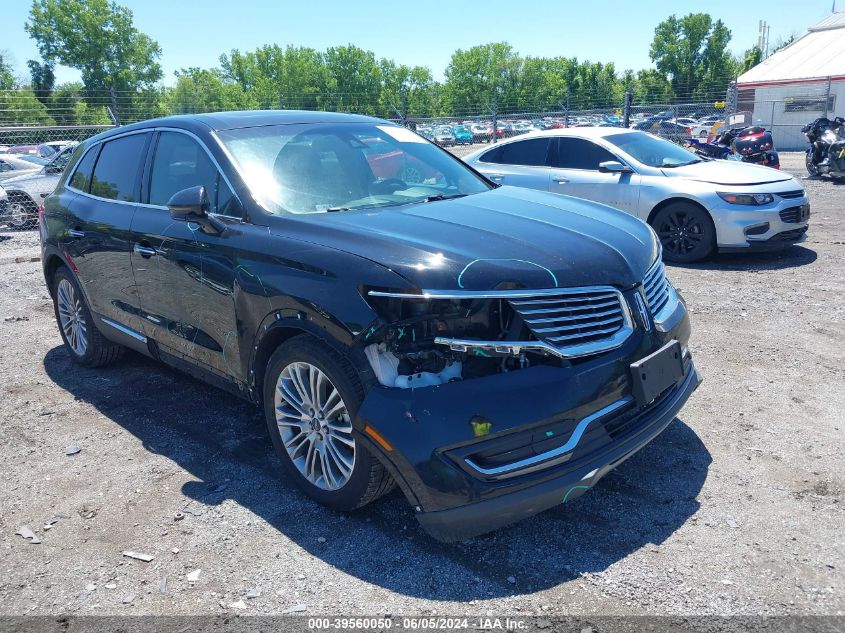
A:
x: 652, y: 151
x: 340, y: 167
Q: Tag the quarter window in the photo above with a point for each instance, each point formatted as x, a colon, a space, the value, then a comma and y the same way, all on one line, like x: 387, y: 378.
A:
x: 180, y: 163
x: 578, y: 153
x: 81, y: 178
x: 116, y: 171
x: 530, y: 152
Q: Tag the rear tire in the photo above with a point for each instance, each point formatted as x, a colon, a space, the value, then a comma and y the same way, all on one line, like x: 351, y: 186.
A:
x: 311, y: 395
x: 83, y: 341
x: 686, y: 232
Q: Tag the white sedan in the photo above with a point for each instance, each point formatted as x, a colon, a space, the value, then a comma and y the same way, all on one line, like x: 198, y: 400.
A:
x: 695, y: 206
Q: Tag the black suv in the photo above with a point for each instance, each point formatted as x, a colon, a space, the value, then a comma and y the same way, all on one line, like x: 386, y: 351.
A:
x: 400, y: 319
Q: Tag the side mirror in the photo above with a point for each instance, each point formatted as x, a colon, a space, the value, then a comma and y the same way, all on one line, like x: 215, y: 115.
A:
x: 191, y: 205
x: 614, y: 167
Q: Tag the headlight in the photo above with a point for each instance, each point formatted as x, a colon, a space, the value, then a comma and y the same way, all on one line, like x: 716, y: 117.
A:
x: 752, y: 199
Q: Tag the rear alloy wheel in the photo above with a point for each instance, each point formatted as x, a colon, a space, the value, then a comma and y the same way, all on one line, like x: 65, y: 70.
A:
x: 83, y: 341
x: 686, y: 232
x: 311, y: 396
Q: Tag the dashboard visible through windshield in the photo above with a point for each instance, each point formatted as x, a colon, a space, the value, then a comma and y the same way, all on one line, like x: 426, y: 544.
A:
x: 341, y: 167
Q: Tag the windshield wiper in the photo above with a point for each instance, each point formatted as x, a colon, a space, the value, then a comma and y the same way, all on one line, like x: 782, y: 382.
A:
x: 441, y: 196
x: 672, y: 165
x: 335, y: 209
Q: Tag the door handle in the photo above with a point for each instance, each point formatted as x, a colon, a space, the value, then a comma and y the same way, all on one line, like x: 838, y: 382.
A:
x: 144, y: 251
x: 561, y: 181
x: 76, y: 233
x: 496, y: 177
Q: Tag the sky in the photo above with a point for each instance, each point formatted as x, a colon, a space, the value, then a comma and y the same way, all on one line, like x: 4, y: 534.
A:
x: 423, y: 32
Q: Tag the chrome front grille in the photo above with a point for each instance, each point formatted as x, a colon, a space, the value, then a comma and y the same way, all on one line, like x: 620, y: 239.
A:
x: 575, y: 318
x: 656, y: 287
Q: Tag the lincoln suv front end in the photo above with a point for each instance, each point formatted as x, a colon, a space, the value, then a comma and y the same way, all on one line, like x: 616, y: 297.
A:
x: 492, y: 351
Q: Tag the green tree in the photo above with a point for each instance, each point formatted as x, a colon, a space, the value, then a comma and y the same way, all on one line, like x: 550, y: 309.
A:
x: 750, y: 59
x: 68, y: 106
x: 43, y: 79
x: 98, y: 38
x: 7, y: 76
x: 482, y: 79
x: 354, y: 79
x: 203, y: 90
x: 692, y: 52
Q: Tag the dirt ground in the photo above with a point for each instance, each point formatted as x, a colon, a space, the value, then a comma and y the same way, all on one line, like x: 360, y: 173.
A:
x: 737, y: 508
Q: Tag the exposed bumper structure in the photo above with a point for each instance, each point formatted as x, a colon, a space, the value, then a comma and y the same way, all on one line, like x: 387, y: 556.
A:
x: 478, y: 454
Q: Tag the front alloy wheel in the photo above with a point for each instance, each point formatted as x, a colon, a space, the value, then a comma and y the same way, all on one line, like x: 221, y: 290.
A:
x: 686, y: 232
x: 315, y: 426
x: 311, y: 395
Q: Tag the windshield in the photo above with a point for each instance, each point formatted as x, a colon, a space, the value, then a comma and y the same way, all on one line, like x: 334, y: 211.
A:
x: 652, y: 151
x: 339, y: 167
x: 35, y: 160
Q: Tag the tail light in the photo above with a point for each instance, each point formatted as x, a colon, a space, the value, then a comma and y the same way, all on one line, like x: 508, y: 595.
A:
x: 41, y: 212
x: 689, y: 131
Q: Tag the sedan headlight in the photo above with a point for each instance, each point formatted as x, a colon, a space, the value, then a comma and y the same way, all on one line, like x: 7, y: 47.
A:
x: 748, y: 199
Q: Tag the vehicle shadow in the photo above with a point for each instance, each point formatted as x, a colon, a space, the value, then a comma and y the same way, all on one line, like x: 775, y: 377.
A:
x: 223, y: 443
x: 790, y: 257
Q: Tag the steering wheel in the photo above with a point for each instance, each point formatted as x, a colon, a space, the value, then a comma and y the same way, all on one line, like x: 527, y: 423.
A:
x: 388, y: 185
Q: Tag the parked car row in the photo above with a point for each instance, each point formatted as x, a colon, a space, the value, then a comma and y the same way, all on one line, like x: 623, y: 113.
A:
x: 27, y: 180
x: 42, y: 150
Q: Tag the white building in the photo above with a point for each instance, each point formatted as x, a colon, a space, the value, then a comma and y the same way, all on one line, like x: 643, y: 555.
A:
x: 799, y: 83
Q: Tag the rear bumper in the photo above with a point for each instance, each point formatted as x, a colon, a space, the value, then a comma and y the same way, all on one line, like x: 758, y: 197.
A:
x: 476, y: 518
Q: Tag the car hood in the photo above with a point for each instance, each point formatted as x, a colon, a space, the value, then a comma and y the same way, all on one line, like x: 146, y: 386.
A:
x: 28, y: 178
x: 503, y: 238
x: 727, y: 172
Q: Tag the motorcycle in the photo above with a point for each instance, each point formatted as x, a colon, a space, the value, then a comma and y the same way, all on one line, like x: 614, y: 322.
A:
x: 752, y: 144
x: 826, y: 154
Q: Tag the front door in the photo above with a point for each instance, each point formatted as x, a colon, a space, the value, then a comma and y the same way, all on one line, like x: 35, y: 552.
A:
x: 575, y: 172
x: 186, y: 277
x: 106, y: 185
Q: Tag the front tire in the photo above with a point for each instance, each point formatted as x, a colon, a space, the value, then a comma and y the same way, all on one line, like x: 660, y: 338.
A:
x: 686, y: 232
x: 83, y: 341
x: 812, y: 169
x: 311, y: 396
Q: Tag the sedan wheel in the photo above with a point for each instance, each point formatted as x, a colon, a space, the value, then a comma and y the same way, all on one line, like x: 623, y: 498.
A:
x: 686, y: 232
x: 315, y: 426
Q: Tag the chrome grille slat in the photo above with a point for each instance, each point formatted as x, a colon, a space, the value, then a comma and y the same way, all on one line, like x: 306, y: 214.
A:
x: 593, y: 302
x: 573, y: 317
x: 576, y: 319
x: 656, y: 288
x: 575, y: 326
x: 591, y: 334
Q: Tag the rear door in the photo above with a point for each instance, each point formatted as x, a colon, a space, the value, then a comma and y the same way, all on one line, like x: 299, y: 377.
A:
x: 575, y: 172
x: 185, y: 277
x: 107, y: 182
x: 522, y: 163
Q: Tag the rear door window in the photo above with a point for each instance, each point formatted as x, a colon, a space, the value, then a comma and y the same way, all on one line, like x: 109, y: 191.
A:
x: 530, y: 152
x: 579, y: 153
x: 81, y: 178
x: 116, y: 173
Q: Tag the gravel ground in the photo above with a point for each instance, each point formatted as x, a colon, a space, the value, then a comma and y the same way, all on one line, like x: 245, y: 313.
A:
x: 737, y: 508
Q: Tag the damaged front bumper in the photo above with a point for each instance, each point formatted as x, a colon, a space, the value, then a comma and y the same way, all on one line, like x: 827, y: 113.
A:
x: 479, y: 454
